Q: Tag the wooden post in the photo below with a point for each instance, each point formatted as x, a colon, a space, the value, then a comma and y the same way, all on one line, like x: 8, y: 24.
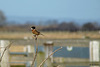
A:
x: 5, y: 58
x: 94, y: 52
x: 29, y: 49
x: 48, y: 50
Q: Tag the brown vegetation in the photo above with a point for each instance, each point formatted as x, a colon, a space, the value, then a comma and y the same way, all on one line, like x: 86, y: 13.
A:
x: 50, y: 35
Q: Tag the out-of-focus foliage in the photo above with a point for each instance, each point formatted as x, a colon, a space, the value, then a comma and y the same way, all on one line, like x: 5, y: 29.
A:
x: 64, y: 26
x: 2, y: 19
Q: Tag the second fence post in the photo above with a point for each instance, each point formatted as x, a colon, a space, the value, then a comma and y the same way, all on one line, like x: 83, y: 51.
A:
x: 48, y: 50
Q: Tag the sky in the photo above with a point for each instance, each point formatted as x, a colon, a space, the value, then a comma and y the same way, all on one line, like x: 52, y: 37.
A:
x: 77, y: 9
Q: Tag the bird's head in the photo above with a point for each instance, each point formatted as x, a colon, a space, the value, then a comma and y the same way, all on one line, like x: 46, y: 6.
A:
x: 33, y: 27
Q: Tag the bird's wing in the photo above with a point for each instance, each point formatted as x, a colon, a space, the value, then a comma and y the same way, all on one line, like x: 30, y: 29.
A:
x: 37, y: 32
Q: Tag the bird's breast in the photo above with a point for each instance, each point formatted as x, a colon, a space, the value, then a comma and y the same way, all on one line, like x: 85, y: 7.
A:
x: 35, y: 32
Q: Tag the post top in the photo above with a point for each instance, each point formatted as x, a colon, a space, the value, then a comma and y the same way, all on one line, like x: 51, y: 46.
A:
x: 48, y: 43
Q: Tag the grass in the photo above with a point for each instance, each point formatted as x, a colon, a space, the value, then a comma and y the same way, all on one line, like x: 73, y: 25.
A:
x: 50, y: 35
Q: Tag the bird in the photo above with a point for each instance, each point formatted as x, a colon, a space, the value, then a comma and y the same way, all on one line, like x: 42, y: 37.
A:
x: 35, y: 32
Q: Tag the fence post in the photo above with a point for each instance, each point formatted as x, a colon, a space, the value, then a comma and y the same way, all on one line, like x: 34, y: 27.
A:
x: 5, y: 58
x: 94, y: 52
x: 48, y: 50
x: 30, y: 50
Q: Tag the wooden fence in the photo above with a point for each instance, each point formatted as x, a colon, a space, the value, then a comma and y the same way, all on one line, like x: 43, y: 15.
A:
x: 93, y: 61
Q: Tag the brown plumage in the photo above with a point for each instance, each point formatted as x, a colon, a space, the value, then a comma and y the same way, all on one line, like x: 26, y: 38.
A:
x: 35, y: 32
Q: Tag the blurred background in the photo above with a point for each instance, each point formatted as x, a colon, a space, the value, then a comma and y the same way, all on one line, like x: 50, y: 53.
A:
x: 72, y: 24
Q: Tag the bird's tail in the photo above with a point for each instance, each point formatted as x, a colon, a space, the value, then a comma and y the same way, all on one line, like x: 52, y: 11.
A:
x: 42, y: 34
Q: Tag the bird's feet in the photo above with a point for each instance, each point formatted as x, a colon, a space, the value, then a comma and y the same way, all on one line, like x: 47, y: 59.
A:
x: 35, y: 37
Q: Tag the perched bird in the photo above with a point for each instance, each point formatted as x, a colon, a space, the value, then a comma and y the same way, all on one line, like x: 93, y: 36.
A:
x: 35, y: 32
